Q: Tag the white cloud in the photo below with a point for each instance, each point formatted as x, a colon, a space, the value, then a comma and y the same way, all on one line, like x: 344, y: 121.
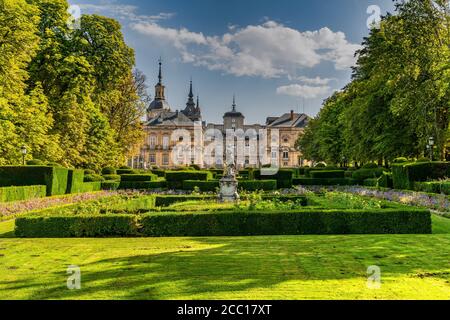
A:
x: 269, y: 50
x: 313, y: 81
x: 303, y: 91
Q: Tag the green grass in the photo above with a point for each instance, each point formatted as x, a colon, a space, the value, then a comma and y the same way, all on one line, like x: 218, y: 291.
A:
x: 282, y: 267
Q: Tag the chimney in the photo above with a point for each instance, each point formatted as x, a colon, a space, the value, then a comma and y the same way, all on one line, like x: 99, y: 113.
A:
x: 292, y: 115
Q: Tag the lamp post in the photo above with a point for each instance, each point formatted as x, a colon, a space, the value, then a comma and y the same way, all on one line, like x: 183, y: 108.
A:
x: 24, y: 151
x: 431, y: 145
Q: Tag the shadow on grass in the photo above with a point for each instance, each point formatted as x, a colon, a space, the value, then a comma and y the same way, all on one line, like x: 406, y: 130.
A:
x: 224, y: 266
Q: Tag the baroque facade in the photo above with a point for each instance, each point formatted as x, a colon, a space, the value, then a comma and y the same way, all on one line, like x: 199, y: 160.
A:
x: 168, y: 132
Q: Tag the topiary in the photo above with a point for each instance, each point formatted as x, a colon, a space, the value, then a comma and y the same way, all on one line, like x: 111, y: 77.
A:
x: 35, y: 162
x: 370, y: 165
x: 109, y: 170
x: 124, y: 167
x: 89, y: 171
x: 54, y: 164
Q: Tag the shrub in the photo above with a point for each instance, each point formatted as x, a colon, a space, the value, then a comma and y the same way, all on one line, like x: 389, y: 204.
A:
x: 255, y: 185
x: 348, y: 174
x: 75, y: 181
x: 390, y: 221
x: 175, y: 178
x: 125, y: 167
x: 423, y: 159
x: 111, y: 177
x: 8, y: 194
x: 158, y: 172
x: 138, y: 177
x: 283, y: 177
x: 195, y: 167
x: 35, y: 162
x: 109, y: 170
x: 385, y: 181
x: 324, y: 182
x: 93, y: 178
x: 325, y: 174
x: 54, y: 178
x: 143, y: 185
x: 110, y: 185
x: 89, y: 171
x: 404, y: 175
x: 371, y: 182
x: 363, y: 174
x: 116, y: 225
x: 204, y: 186
x: 125, y: 171
x: 370, y: 165
x: 429, y: 187
x: 91, y: 186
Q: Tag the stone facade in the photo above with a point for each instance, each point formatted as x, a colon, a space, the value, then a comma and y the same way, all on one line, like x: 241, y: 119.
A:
x: 160, y: 142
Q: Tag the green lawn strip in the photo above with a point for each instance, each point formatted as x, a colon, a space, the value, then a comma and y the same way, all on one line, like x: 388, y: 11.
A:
x: 440, y: 224
x: 282, y: 267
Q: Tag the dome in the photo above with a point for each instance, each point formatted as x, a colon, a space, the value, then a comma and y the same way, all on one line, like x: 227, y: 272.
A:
x: 158, y: 105
x: 233, y: 114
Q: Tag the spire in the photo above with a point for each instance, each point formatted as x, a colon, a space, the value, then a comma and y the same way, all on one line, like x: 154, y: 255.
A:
x: 191, y: 95
x: 198, y: 102
x: 234, y: 103
x: 160, y: 71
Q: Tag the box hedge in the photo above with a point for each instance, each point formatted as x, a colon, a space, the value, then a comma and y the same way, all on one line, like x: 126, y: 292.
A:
x: 363, y: 174
x: 143, y: 185
x: 54, y: 178
x: 391, y: 221
x: 110, y: 185
x: 283, y: 177
x: 91, y: 186
x: 386, y: 181
x: 175, y: 178
x: 255, y: 185
x: 371, y: 182
x: 112, y: 177
x: 116, y: 225
x: 138, y: 177
x: 326, y: 174
x: 405, y: 174
x: 8, y: 194
x: 126, y: 171
x: 75, y: 180
x: 324, y: 182
x: 204, y: 186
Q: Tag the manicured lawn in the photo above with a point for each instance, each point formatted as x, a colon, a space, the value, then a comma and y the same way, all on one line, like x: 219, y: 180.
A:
x: 283, y: 267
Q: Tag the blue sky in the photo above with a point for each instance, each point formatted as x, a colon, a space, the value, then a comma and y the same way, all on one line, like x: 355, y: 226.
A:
x: 274, y: 55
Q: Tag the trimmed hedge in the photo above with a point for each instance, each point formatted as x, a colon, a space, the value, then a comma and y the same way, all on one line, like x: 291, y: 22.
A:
x: 8, y: 194
x: 324, y: 174
x: 255, y: 185
x: 391, y: 221
x: 158, y: 172
x: 125, y: 171
x: 75, y: 180
x: 363, y: 174
x: 405, y: 174
x: 138, y: 177
x: 110, y: 185
x: 116, y: 225
x: 283, y: 177
x: 175, y: 178
x: 385, y: 181
x: 232, y: 223
x: 54, y: 178
x: 442, y: 187
x: 91, y: 186
x: 372, y: 182
x: 143, y: 185
x: 93, y: 178
x: 204, y: 186
x: 324, y: 182
x: 111, y: 177
x: 109, y: 170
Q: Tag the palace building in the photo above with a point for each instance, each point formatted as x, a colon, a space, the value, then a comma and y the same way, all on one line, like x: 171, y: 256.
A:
x: 162, y: 123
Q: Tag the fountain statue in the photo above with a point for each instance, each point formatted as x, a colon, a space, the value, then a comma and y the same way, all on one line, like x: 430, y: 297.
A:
x: 228, y: 184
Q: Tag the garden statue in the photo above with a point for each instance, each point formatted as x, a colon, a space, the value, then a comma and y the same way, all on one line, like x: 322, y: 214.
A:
x: 228, y: 184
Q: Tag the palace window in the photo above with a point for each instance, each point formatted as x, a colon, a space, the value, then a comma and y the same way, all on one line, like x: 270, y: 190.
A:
x: 152, y: 142
x: 165, y: 159
x: 152, y: 158
x: 285, y: 155
x: 166, y: 142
